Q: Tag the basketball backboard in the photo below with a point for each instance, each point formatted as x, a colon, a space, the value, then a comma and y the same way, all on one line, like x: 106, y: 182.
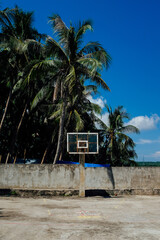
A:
x: 82, y: 143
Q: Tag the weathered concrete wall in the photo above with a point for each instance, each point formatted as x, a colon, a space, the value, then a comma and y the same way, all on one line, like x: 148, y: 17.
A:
x: 39, y: 176
x: 123, y: 178
x: 67, y: 177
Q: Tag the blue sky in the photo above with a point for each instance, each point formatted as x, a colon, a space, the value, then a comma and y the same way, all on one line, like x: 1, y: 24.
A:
x: 130, y: 31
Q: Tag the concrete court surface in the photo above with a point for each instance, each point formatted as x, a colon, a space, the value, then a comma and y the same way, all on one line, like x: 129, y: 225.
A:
x: 127, y: 217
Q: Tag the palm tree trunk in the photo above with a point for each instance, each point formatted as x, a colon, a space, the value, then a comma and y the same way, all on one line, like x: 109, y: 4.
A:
x: 56, y: 90
x: 44, y: 155
x: 15, y: 158
x: 5, y: 110
x: 20, y: 122
x: 61, y: 132
x: 111, y: 147
x: 8, y: 155
x: 16, y: 134
x: 24, y: 155
x: 65, y: 134
x: 61, y: 155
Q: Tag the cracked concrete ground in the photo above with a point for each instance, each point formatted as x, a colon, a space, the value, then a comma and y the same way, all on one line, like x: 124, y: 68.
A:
x: 127, y: 217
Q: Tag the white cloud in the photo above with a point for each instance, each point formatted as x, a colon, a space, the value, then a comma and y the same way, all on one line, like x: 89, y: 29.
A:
x: 145, y: 122
x: 105, y: 119
x: 144, y: 141
x: 100, y: 101
x: 147, y: 141
x: 156, y: 154
x: 153, y: 155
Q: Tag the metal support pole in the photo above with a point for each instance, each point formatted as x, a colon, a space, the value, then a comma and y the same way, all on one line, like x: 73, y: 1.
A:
x: 81, y: 175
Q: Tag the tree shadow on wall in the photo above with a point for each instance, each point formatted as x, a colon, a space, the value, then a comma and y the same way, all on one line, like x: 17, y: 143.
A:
x: 111, y: 177
x: 102, y: 192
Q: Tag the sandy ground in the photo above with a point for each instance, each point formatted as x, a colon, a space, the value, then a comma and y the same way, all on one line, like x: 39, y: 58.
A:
x: 133, y: 217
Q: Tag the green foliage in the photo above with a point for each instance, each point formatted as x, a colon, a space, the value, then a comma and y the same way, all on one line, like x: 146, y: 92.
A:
x: 119, y: 147
x: 42, y: 84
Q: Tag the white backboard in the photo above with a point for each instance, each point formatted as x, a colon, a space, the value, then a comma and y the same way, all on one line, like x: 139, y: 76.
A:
x: 82, y: 143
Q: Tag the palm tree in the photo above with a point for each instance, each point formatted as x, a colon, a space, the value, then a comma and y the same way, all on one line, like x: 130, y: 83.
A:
x: 120, y: 145
x: 16, y: 27
x: 76, y: 64
x: 80, y: 113
x: 18, y: 40
x: 125, y: 152
x: 18, y: 24
x: 68, y: 64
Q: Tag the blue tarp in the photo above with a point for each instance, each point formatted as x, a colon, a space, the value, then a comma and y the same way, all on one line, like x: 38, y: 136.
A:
x: 27, y: 161
x: 86, y: 164
x: 38, y: 161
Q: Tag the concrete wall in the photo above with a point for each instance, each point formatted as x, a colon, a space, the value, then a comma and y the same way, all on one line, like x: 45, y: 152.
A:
x: 67, y: 177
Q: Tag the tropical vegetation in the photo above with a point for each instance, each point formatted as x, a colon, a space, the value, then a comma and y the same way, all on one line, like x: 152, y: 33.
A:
x: 45, y: 84
x: 118, y: 145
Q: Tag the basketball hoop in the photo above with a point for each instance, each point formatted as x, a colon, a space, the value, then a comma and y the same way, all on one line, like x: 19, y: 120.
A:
x: 82, y: 143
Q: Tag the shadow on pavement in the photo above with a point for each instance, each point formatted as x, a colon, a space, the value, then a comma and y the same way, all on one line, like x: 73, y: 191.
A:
x: 97, y: 192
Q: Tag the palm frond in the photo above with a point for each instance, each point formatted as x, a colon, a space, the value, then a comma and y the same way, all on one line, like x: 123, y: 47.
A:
x: 92, y: 64
x: 82, y: 28
x: 6, y: 20
x: 54, y: 49
x: 103, y: 57
x: 91, y: 88
x: 130, y: 129
x: 60, y: 29
x: 89, y: 74
x: 40, y: 96
x: 56, y: 114
x: 41, y: 66
x: 100, y: 81
x: 18, y: 86
x: 101, y: 124
x: 79, y: 121
x: 96, y: 108
x: 95, y: 50
x: 70, y: 80
x: 109, y: 109
x: 33, y: 45
x: 90, y: 47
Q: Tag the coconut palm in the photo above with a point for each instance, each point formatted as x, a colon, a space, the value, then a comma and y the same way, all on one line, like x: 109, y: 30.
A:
x: 120, y: 146
x: 16, y: 27
x: 68, y: 63
x: 80, y: 113
x: 18, y: 41
x: 124, y: 151
x: 77, y: 63
x: 19, y: 24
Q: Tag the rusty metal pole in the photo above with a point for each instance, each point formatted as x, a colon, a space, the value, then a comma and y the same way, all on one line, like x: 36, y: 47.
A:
x: 81, y: 175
